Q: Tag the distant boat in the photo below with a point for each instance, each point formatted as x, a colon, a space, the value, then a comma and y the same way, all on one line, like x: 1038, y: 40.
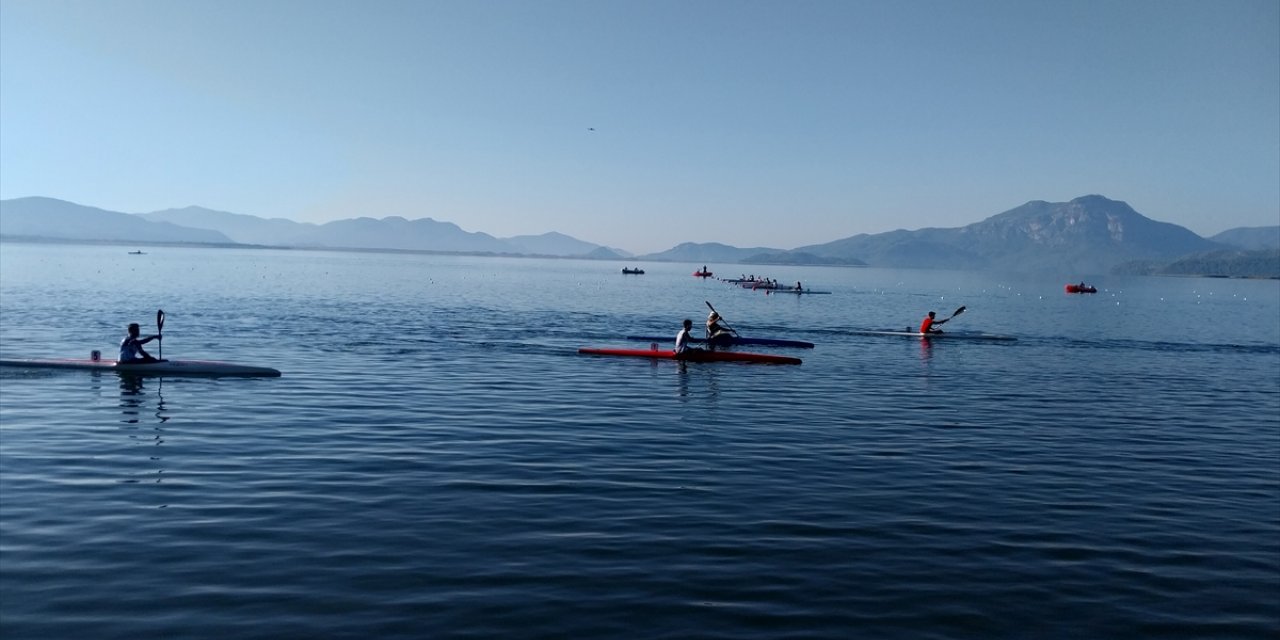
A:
x: 638, y: 272
x: 136, y: 253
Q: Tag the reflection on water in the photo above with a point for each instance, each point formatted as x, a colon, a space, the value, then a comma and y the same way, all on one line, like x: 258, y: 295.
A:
x: 139, y: 408
x: 926, y: 349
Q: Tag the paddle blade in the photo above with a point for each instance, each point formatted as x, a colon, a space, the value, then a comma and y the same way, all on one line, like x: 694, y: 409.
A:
x: 160, y: 330
x: 958, y: 312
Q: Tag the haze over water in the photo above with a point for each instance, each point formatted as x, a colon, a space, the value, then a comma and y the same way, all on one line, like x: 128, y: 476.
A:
x: 438, y: 461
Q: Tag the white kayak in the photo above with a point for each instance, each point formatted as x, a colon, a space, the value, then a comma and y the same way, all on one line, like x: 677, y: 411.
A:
x: 162, y: 368
x: 962, y: 335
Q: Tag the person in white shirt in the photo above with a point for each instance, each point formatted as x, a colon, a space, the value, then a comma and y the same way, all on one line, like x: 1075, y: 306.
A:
x: 683, y: 339
x: 131, y: 347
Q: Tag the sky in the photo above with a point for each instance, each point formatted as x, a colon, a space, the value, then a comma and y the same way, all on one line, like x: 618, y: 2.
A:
x: 643, y: 124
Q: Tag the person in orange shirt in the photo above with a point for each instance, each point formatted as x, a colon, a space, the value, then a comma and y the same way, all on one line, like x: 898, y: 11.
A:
x: 929, y: 323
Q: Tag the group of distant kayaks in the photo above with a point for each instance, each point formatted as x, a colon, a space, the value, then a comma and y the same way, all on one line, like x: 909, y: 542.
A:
x: 765, y: 284
x: 717, y: 347
x: 769, y: 285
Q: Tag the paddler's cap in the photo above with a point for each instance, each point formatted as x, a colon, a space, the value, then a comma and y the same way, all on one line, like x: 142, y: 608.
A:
x: 713, y: 316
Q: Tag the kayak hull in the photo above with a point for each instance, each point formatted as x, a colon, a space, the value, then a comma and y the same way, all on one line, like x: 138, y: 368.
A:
x: 163, y: 368
x: 693, y: 356
x: 931, y: 336
x: 733, y: 341
x: 1075, y: 288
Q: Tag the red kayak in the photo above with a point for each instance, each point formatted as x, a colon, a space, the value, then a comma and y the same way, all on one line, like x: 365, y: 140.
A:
x: 1075, y: 288
x: 694, y: 356
x: 702, y: 274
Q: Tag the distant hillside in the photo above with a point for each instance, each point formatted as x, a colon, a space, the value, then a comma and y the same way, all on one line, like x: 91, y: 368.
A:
x: 1090, y: 234
x: 61, y: 220
x: 707, y: 252
x: 1231, y: 263
x: 394, y: 232
x: 801, y: 258
x: 52, y: 219
x: 556, y: 244
x: 925, y: 249
x: 237, y: 226
x: 1250, y: 237
x: 605, y: 253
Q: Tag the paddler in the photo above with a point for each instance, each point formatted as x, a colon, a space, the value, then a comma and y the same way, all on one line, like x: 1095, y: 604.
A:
x: 715, y: 330
x: 131, y: 347
x: 929, y: 323
x: 683, y: 338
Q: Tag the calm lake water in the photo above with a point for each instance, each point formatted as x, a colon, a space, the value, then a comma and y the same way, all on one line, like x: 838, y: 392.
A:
x: 438, y: 461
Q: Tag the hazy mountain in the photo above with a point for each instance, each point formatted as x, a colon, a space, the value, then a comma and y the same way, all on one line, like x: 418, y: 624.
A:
x: 62, y: 220
x: 605, y: 253
x: 394, y: 232
x: 1090, y: 234
x: 237, y: 226
x: 707, y: 252
x: 1234, y: 263
x: 1250, y: 237
x: 800, y: 258
x: 553, y: 243
x: 368, y: 233
x: 925, y: 248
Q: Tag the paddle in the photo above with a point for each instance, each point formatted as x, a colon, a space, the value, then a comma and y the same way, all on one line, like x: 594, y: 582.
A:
x: 726, y: 324
x: 160, y: 332
x: 952, y: 315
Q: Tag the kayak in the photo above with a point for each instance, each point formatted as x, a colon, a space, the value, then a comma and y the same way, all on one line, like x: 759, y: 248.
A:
x: 796, y: 291
x: 694, y: 356
x: 733, y: 340
x: 1075, y: 288
x: 162, y: 368
x: 637, y: 272
x: 702, y: 274
x: 960, y: 335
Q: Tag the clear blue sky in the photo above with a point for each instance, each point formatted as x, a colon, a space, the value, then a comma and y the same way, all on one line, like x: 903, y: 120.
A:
x: 777, y: 123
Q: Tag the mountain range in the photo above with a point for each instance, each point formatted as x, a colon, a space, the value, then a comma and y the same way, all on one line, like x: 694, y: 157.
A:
x: 1088, y: 235
x: 423, y: 234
